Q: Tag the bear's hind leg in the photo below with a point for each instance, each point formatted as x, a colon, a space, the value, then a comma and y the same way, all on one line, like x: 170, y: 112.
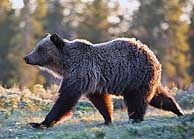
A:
x: 136, y: 105
x: 103, y: 103
x: 166, y: 102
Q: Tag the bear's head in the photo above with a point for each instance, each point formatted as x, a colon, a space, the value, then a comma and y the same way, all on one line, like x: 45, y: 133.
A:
x: 46, y: 52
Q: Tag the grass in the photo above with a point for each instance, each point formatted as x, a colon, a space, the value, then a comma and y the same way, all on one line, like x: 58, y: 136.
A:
x: 19, y: 107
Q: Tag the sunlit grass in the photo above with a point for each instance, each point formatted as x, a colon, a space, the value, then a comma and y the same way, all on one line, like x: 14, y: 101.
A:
x: 21, y: 106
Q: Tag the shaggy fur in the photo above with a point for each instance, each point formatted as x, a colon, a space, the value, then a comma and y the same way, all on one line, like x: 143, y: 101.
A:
x: 123, y: 67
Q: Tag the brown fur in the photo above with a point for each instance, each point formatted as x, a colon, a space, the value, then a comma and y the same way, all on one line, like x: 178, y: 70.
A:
x: 103, y: 103
x: 124, y: 67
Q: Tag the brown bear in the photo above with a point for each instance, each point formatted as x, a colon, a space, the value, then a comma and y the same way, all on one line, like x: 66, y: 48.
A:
x: 122, y: 66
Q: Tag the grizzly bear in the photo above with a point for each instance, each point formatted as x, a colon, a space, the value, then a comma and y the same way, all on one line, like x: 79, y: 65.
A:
x: 123, y: 66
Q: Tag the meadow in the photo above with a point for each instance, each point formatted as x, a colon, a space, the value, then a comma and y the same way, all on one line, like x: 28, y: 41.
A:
x: 21, y: 106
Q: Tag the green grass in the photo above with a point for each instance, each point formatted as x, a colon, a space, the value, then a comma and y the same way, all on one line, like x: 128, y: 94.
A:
x: 19, y: 107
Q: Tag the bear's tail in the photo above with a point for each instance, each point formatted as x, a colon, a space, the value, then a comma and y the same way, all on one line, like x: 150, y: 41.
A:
x: 163, y: 100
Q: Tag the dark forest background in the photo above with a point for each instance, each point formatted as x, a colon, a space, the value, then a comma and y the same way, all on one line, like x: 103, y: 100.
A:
x: 166, y: 26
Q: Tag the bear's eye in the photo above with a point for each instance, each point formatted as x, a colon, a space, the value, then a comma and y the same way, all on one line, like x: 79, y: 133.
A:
x: 40, y: 48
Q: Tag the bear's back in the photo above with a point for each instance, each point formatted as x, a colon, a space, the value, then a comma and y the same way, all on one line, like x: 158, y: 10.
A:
x: 129, y: 51
x: 125, y: 63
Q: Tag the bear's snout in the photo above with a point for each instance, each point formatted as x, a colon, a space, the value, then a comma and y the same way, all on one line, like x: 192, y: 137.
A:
x: 27, y: 59
x: 34, y: 58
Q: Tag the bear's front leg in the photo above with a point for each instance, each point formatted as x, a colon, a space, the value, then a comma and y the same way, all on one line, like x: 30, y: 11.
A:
x: 68, y: 97
x: 61, y: 109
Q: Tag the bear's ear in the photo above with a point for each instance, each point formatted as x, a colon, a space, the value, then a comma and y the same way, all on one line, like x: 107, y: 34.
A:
x: 57, y: 40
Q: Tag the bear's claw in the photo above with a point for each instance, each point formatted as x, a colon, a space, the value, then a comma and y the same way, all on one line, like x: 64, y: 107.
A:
x: 37, y: 125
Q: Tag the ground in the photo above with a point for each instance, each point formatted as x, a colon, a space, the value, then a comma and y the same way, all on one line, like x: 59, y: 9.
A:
x: 20, y: 107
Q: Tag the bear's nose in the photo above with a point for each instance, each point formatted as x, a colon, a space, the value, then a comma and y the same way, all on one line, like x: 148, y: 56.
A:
x: 26, y: 59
